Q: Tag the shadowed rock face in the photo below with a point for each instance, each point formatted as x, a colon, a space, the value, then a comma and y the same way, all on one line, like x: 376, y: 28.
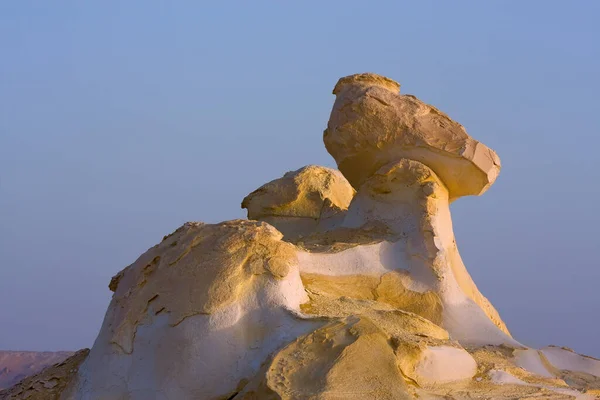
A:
x: 371, y: 124
x: 335, y: 293
x: 16, y: 365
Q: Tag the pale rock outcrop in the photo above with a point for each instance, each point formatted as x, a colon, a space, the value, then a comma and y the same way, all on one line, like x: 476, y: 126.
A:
x: 213, y: 266
x: 301, y: 201
x: 434, y: 365
x: 196, y: 315
x: 376, y: 303
x: 371, y: 125
x: 417, y: 262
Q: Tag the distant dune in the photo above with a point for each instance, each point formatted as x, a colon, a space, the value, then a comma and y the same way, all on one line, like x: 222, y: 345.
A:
x: 16, y: 365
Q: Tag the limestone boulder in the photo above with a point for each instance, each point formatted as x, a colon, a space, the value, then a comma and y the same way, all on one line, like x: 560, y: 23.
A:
x: 301, y: 201
x: 371, y: 125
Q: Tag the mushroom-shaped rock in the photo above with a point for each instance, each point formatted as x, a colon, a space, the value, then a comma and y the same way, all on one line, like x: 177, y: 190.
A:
x: 300, y: 200
x: 333, y: 294
x: 371, y: 125
x: 412, y: 201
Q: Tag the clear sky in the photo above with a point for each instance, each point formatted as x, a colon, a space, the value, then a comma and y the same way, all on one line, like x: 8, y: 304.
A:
x: 121, y: 120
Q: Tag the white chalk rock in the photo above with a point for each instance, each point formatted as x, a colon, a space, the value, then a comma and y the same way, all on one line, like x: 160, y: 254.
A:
x: 363, y: 296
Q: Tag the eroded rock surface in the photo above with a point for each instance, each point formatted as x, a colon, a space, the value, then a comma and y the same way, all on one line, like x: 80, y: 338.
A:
x: 50, y: 383
x: 333, y: 293
x: 302, y: 201
x: 372, y: 125
x: 16, y: 365
x: 417, y: 262
x: 196, y: 315
x: 319, y: 364
x: 200, y: 269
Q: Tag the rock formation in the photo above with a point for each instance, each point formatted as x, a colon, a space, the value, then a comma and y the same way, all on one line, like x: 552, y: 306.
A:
x: 16, y: 365
x: 50, y: 383
x: 303, y: 201
x: 372, y: 125
x: 332, y: 290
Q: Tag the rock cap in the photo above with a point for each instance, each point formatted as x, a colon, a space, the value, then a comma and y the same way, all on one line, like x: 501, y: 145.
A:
x: 371, y: 125
x: 367, y: 79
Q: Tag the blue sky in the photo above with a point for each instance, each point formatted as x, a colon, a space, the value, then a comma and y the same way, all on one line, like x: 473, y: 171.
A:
x: 119, y: 121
